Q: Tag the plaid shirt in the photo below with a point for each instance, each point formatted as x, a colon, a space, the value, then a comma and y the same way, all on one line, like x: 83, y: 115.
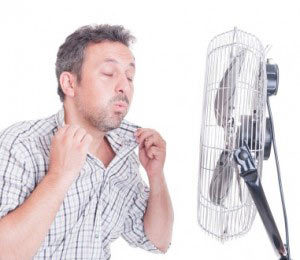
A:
x: 101, y: 204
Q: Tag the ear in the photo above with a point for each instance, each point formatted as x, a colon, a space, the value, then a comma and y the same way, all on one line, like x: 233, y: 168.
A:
x: 67, y: 83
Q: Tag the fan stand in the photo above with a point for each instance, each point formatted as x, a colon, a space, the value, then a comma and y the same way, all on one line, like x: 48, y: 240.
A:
x: 249, y: 173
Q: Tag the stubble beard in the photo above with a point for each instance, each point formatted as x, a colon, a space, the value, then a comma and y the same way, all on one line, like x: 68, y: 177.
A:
x: 104, y: 119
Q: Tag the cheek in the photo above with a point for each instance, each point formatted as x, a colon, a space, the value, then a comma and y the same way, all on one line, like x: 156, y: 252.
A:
x: 100, y: 93
x: 130, y: 94
x: 100, y: 99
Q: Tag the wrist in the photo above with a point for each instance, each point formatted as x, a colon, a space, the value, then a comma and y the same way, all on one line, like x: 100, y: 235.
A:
x: 155, y: 176
x: 58, y: 179
x: 157, y: 182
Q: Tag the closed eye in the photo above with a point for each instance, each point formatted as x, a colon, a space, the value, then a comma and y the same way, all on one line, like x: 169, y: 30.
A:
x: 108, y: 74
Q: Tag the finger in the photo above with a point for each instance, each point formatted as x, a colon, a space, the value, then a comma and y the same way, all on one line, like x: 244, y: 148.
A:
x: 139, y: 131
x: 153, y: 152
x: 79, y: 134
x: 142, y: 151
x: 144, y: 135
x: 156, y: 140
x: 62, y: 129
x: 86, y: 141
x: 70, y: 132
x: 150, y: 141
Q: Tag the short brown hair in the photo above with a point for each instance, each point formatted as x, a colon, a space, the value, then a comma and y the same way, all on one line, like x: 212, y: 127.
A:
x: 71, y: 53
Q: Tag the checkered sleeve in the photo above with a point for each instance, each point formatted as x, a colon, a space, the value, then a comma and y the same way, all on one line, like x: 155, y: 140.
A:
x: 15, y: 183
x: 133, y: 229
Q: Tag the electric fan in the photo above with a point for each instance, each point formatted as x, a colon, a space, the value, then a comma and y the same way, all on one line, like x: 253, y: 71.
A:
x: 236, y: 136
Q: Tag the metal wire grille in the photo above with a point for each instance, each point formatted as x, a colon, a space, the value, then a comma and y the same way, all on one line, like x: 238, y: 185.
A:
x: 233, y: 112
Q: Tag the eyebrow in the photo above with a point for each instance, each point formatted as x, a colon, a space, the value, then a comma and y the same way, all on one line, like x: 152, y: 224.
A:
x: 132, y: 64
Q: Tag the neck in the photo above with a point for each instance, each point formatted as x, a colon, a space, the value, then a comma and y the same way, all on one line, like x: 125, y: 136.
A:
x: 72, y: 117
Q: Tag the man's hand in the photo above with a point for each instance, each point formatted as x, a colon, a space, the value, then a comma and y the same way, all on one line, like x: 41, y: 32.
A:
x: 69, y: 147
x: 68, y: 151
x: 158, y: 218
x: 152, y: 151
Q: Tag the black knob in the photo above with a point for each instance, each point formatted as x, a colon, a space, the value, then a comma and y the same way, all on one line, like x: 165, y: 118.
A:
x: 243, y: 155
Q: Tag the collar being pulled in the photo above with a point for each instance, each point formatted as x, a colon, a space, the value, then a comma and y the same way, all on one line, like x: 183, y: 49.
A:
x: 123, y: 135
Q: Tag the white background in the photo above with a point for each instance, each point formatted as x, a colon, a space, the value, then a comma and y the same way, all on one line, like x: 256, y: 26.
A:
x: 172, y: 37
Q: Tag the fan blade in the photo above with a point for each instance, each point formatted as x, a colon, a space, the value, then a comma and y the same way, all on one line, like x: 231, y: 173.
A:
x: 221, y: 179
x: 223, y: 105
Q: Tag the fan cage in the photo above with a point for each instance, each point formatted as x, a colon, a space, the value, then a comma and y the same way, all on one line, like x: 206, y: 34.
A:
x: 234, y: 216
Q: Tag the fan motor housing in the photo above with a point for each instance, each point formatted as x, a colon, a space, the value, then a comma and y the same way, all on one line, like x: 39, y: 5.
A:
x: 272, y: 71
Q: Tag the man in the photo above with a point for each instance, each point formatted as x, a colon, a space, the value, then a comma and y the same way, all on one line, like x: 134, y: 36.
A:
x: 69, y: 183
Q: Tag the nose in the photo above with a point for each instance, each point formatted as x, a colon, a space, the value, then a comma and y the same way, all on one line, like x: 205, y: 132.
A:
x: 122, y: 84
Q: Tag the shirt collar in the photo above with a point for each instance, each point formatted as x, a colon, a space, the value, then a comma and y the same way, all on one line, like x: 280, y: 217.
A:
x: 60, y: 117
x: 121, y: 136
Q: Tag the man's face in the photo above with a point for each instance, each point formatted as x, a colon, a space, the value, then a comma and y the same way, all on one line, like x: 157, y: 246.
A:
x: 104, y: 93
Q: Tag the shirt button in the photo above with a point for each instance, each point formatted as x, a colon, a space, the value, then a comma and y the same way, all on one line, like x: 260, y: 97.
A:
x: 97, y: 235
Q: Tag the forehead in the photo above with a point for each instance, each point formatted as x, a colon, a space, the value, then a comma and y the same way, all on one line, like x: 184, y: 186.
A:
x: 99, y: 53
